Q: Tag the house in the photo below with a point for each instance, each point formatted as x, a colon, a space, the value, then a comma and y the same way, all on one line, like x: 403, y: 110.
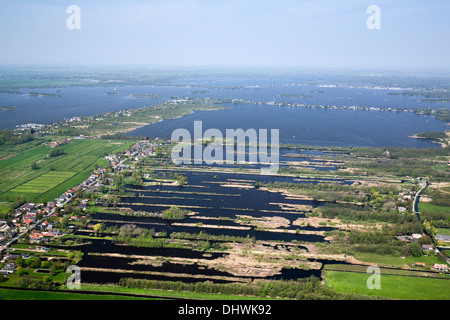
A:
x: 440, y: 267
x: 419, y: 264
x: 25, y: 207
x: 29, y: 216
x: 402, y: 209
x: 427, y: 247
x: 403, y: 238
x: 8, y: 268
x: 442, y: 237
x: 36, y: 236
x: 3, y: 226
x: 28, y: 221
x: 416, y: 236
x: 9, y: 256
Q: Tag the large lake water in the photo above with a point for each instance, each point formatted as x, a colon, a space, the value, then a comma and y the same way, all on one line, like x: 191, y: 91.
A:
x: 296, y: 125
x: 310, y: 126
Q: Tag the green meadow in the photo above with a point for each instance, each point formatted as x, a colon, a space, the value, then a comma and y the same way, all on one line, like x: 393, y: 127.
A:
x: 393, y: 260
x: 29, y: 171
x: 391, y: 286
x: 17, y: 294
x: 426, y: 206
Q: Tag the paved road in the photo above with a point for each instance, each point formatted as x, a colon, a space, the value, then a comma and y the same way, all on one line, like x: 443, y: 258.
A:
x: 416, y: 199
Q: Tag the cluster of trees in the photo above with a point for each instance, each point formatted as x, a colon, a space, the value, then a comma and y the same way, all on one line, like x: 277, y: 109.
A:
x: 432, y: 135
x: 10, y: 206
x: 140, y: 237
x: 132, y: 235
x: 55, y: 152
x: 436, y: 219
x: 180, y: 178
x: 11, y: 137
x: 439, y: 198
x: 404, y: 167
x: 68, y: 131
x: 382, y: 241
x: 210, y: 237
x: 27, y: 282
x: 54, y: 266
x: 302, y: 289
x: 121, y: 136
x: 443, y: 114
x: 321, y: 191
x: 383, y: 197
x: 398, y: 153
x: 128, y: 177
x: 174, y: 213
x: 407, y: 222
x: 131, y: 230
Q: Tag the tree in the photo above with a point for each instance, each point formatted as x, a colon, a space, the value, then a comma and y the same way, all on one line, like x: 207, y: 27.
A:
x: 98, y: 228
x: 206, y: 245
x: 415, y: 249
x: 429, y: 228
x: 55, y: 152
x: 19, y: 261
x: 20, y: 271
x: 64, y: 222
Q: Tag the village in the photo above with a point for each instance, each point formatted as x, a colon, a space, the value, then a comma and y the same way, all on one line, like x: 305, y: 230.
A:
x: 30, y: 220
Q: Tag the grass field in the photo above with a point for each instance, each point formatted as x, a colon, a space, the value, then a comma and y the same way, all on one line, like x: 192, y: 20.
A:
x: 425, y: 206
x: 392, y: 260
x: 445, y: 231
x: 17, y: 294
x: 53, y: 175
x: 392, y: 286
x: 44, y: 182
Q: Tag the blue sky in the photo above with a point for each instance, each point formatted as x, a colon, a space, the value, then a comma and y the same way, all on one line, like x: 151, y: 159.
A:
x: 314, y: 33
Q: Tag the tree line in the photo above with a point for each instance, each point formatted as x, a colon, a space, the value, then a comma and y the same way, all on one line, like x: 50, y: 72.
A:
x: 11, y: 137
x: 301, y: 289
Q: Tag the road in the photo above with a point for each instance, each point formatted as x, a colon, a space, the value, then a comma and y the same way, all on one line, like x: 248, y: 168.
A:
x: 415, y: 206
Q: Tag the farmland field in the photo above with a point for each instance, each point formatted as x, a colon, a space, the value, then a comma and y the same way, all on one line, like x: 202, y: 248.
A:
x: 43, y: 183
x: 424, y: 206
x: 392, y: 286
x: 51, y: 176
x: 15, y: 294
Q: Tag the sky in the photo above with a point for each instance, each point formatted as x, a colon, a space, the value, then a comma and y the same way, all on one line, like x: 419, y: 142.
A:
x: 414, y: 35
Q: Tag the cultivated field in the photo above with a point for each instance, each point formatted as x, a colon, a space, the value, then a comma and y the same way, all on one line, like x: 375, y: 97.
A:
x: 391, y: 286
x: 30, y: 172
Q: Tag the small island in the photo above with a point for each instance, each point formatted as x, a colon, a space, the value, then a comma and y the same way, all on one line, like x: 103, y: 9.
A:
x: 7, y: 108
x: 46, y: 95
x: 440, y: 137
x: 145, y: 95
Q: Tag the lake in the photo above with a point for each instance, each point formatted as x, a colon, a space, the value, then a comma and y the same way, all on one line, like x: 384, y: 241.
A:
x: 324, y: 127
x: 319, y: 127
